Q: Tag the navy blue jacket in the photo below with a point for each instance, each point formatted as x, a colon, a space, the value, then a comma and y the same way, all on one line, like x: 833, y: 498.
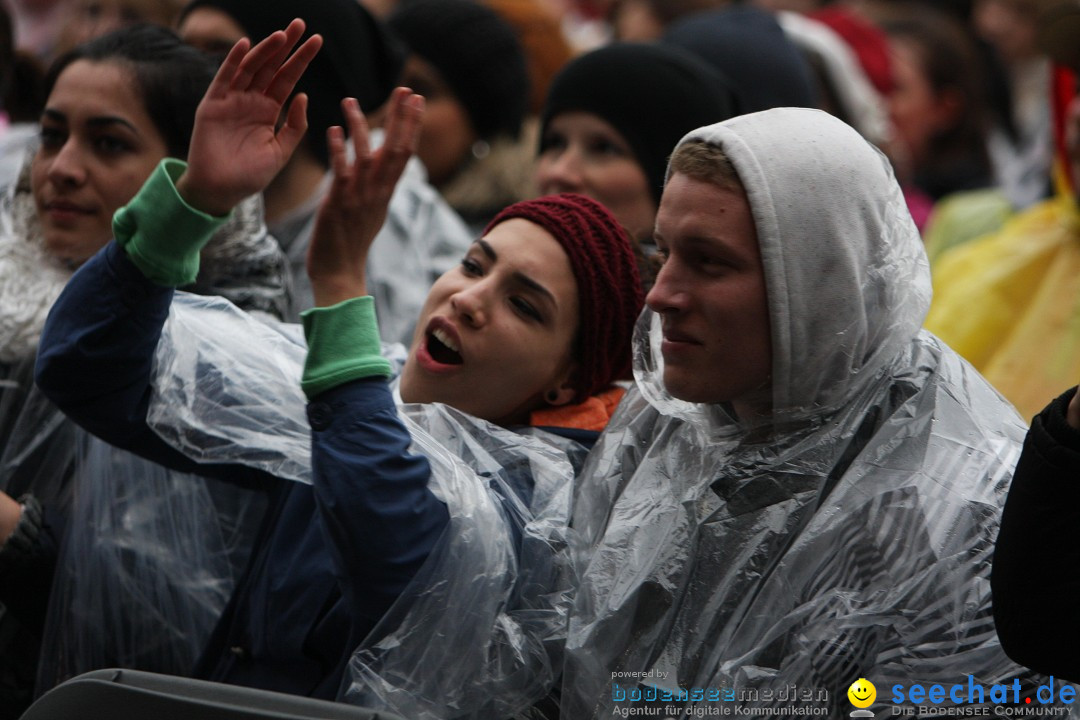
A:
x: 330, y: 558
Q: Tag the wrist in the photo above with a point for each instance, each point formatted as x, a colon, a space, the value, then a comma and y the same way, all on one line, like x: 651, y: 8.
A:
x: 334, y: 290
x: 160, y: 232
x: 201, y: 199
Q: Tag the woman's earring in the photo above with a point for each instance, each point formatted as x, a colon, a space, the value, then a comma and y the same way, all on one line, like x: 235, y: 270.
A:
x: 480, y: 149
x: 552, y: 396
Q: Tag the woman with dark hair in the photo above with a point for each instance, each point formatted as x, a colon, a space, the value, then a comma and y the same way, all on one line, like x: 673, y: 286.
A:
x: 938, y: 105
x: 115, y: 108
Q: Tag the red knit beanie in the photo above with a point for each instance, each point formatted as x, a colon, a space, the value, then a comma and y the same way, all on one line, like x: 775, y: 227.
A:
x: 610, y: 296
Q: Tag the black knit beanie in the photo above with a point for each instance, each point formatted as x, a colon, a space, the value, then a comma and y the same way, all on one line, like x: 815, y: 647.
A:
x: 747, y: 44
x: 478, y: 55
x: 359, y: 58
x: 652, y: 94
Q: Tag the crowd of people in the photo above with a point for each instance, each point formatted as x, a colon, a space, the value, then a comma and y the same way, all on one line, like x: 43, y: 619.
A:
x: 490, y: 359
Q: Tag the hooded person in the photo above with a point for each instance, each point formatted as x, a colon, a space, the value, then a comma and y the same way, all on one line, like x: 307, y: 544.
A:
x: 803, y: 487
x: 424, y: 237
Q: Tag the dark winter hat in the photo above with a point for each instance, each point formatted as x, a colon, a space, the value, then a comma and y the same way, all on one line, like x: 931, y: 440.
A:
x: 359, y: 58
x: 478, y: 55
x: 610, y: 296
x: 747, y: 44
x: 651, y: 94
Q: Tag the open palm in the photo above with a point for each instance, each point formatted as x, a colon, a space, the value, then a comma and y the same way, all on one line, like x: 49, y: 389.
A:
x: 237, y: 145
x: 356, y: 205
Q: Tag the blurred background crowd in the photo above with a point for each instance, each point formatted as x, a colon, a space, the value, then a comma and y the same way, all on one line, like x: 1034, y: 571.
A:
x: 973, y: 102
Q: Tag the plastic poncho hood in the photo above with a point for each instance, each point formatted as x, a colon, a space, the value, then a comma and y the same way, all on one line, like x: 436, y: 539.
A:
x: 848, y: 533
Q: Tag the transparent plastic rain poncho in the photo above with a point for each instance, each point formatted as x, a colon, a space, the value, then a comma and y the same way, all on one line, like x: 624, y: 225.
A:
x: 845, y: 533
x: 149, y: 557
x: 149, y: 561
x: 479, y: 632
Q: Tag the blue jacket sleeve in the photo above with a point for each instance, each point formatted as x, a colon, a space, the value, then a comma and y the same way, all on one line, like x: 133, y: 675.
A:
x: 381, y: 518
x: 96, y: 356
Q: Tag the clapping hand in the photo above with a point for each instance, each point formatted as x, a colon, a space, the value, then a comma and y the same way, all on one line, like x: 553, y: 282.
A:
x: 356, y: 206
x: 237, y: 146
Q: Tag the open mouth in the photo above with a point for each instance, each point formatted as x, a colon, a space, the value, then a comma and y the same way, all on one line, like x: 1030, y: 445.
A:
x: 442, y: 349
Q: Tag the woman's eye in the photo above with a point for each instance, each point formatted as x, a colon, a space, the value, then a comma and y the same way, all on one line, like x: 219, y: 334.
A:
x: 111, y: 145
x: 605, y: 147
x: 51, y: 137
x: 471, y: 267
x: 525, y: 308
x: 553, y: 141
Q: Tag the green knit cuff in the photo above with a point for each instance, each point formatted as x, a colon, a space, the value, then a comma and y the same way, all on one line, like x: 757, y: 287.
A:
x: 160, y: 232
x: 343, y: 345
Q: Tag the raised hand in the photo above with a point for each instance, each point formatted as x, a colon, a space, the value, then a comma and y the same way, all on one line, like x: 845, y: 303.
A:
x: 237, y: 147
x: 356, y: 205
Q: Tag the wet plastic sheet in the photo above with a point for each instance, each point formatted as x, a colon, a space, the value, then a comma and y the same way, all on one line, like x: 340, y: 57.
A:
x: 850, y: 549
x: 150, y: 558
x: 479, y: 632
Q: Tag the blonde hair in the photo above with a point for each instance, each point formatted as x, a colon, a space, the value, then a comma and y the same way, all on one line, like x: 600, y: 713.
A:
x: 706, y: 162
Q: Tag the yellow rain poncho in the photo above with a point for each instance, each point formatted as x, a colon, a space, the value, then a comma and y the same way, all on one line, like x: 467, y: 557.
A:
x: 1008, y: 303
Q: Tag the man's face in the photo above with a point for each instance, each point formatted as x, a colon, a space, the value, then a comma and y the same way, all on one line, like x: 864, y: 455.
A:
x: 711, y: 296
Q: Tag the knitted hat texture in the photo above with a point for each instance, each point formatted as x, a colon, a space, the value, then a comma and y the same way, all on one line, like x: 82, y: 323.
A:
x: 610, y: 296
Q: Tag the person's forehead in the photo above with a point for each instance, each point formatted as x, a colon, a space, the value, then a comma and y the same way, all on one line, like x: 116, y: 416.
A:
x: 691, y: 204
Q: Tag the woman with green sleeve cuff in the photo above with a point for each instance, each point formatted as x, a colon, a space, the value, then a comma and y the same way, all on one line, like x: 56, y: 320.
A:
x: 433, y: 535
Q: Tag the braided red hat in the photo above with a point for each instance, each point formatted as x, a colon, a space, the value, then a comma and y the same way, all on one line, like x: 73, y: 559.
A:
x: 610, y: 296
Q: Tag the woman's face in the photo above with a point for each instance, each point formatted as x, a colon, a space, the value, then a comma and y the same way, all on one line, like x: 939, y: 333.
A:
x: 447, y: 135
x: 917, y: 110
x: 98, y: 146
x: 89, y: 19
x: 496, y: 334
x: 210, y: 30
x: 584, y: 154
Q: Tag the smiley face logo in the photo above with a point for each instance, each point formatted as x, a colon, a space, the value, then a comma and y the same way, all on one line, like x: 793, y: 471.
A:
x: 862, y: 693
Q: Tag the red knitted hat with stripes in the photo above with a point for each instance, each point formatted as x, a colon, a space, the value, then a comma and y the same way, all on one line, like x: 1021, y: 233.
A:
x: 610, y: 296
